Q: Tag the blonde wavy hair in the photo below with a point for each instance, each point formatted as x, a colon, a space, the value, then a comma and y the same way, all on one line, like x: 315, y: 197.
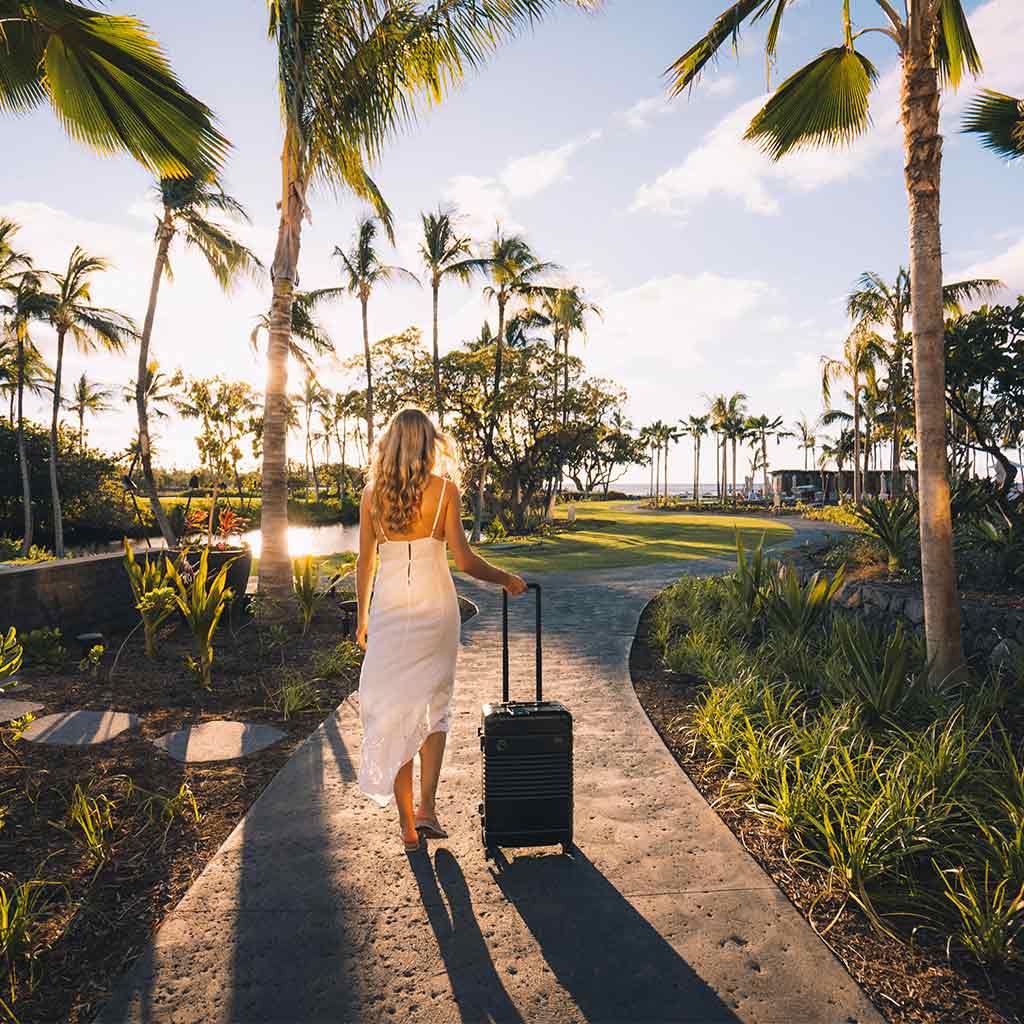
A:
x: 404, y: 456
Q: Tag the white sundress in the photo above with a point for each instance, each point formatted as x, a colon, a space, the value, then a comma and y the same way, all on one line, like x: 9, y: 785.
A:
x: 408, y: 675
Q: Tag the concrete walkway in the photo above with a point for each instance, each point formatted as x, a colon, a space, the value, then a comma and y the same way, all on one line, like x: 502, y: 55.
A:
x: 311, y: 911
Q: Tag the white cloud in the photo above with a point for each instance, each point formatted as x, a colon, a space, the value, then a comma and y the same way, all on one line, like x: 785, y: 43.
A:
x: 528, y: 175
x: 723, y: 86
x: 480, y: 202
x: 1008, y: 266
x: 640, y: 115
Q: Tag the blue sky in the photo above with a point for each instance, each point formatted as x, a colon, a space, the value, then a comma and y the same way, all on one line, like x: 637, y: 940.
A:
x: 717, y: 271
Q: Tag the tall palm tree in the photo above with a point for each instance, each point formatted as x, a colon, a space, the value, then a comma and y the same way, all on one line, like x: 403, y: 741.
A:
x: 312, y: 398
x: 825, y: 103
x: 88, y: 397
x: 759, y: 429
x: 513, y: 270
x: 109, y: 84
x: 309, y: 339
x: 29, y: 371
x: 999, y: 120
x: 187, y: 205
x: 27, y: 302
x: 886, y: 305
x: 362, y: 270
x: 72, y: 314
x: 445, y: 254
x: 728, y: 418
x: 860, y: 351
x: 697, y: 428
x: 670, y: 435
x: 350, y: 75
x: 805, y: 431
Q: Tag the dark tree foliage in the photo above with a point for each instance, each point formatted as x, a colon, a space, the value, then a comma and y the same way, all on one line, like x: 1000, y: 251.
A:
x: 985, y: 379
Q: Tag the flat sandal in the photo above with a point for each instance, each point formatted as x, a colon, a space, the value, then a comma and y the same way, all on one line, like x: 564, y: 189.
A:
x: 431, y: 828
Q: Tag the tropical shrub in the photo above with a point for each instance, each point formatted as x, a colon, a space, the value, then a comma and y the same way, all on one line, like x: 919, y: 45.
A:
x: 22, y: 910
x: 294, y: 695
x: 304, y: 583
x: 154, y: 597
x: 344, y: 656
x: 748, y: 582
x: 202, y: 601
x: 797, y: 609
x: 893, y: 524
x: 855, y: 549
x: 11, y: 653
x: 44, y: 648
x: 844, y: 514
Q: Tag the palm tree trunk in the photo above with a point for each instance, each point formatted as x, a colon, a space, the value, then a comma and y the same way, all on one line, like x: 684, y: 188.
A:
x: 734, y: 496
x: 492, y: 420
x: 856, y: 440
x: 58, y: 523
x: 657, y: 475
x: 275, y: 572
x: 725, y: 469
x: 764, y: 461
x: 165, y: 234
x: 923, y: 144
x: 26, y: 483
x: 438, y: 402
x: 364, y: 300
x: 81, y: 431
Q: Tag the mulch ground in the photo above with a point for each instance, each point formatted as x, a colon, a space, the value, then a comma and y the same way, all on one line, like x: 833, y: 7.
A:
x: 100, y: 919
x: 910, y: 984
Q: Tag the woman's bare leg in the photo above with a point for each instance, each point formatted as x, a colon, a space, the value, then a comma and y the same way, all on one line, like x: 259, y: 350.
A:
x: 403, y: 798
x: 431, y: 759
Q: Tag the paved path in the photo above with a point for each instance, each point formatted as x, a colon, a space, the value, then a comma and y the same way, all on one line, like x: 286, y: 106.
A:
x: 311, y: 912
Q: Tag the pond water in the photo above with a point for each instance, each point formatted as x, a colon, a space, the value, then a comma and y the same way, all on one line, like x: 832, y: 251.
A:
x: 302, y: 540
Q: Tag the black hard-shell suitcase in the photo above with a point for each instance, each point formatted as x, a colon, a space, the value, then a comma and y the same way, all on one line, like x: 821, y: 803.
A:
x: 526, y: 750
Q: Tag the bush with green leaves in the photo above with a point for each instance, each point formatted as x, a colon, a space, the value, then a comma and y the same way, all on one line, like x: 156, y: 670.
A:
x: 844, y: 514
x: 23, y: 909
x: 893, y: 524
x: 796, y: 608
x: 344, y: 657
x: 153, y: 593
x: 305, y: 584
x: 43, y: 648
x: 202, y: 600
x: 11, y: 654
x: 293, y: 695
x: 854, y: 550
x: 903, y: 798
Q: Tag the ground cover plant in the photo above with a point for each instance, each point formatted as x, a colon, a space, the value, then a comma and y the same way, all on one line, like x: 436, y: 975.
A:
x: 888, y: 805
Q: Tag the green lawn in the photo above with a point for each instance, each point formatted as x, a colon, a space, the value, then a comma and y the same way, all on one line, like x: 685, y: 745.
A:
x: 615, y: 534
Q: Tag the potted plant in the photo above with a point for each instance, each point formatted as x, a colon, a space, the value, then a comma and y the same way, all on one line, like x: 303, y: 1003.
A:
x: 223, y: 544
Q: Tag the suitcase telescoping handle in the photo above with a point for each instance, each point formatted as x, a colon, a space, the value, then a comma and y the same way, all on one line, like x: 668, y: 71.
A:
x: 535, y: 587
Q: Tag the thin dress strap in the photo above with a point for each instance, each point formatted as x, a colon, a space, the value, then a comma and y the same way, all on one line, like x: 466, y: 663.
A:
x: 380, y: 527
x: 440, y: 505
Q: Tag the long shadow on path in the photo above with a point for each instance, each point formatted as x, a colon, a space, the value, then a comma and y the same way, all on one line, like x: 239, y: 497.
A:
x: 602, y: 950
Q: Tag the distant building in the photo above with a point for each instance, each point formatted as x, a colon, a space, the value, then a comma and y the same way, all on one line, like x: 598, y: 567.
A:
x: 827, y: 485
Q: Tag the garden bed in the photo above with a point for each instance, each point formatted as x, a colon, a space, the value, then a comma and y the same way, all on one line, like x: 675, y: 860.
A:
x: 97, y: 919
x: 911, y: 975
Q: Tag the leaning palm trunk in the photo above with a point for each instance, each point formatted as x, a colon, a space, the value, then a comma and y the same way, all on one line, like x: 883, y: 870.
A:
x: 920, y: 118
x: 438, y: 400
x: 26, y: 483
x: 165, y: 234
x: 492, y: 421
x: 369, y: 377
x: 58, y: 523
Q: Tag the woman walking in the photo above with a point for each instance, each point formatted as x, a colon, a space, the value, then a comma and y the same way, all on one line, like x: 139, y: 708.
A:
x: 411, y: 513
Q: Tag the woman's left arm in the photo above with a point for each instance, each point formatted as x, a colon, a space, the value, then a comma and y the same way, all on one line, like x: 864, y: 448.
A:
x: 366, y: 566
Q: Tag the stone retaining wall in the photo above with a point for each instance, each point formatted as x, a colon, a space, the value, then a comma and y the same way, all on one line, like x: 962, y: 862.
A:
x: 985, y: 624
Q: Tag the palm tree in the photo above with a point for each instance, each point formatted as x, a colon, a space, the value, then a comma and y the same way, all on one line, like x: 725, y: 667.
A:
x: 825, y: 103
x: 109, y: 84
x: 29, y: 371
x: 312, y: 398
x: 27, y: 303
x: 350, y: 76
x: 670, y: 435
x: 860, y: 350
x: 187, y: 204
x: 88, y: 397
x: 999, y: 120
x: 805, y: 431
x: 309, y: 340
x: 727, y: 419
x: 363, y: 271
x: 513, y: 270
x: 759, y: 429
x: 445, y: 254
x: 89, y: 327
x: 886, y: 305
x: 697, y: 428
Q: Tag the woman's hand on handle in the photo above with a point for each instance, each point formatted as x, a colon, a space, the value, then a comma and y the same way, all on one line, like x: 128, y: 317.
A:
x: 515, y: 585
x: 361, y: 631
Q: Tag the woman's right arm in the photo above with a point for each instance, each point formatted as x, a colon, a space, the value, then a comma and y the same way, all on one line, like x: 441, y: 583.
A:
x: 366, y: 566
x: 467, y: 560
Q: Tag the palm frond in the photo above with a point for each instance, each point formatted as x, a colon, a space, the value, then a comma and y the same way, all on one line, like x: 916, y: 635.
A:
x: 686, y: 69
x: 999, y: 120
x: 109, y: 84
x: 955, y: 51
x: 822, y: 104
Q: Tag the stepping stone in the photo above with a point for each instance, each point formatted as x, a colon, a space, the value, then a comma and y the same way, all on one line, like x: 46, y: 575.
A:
x: 80, y: 728
x: 12, y: 709
x: 217, y: 741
